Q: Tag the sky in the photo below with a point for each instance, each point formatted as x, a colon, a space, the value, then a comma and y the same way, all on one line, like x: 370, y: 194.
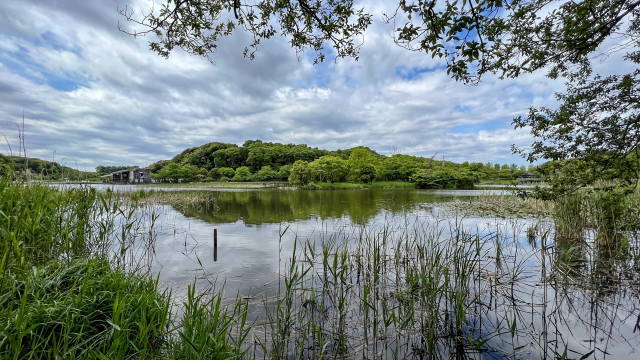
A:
x: 93, y: 95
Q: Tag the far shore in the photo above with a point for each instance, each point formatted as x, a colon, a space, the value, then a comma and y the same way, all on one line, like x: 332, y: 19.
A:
x: 285, y: 185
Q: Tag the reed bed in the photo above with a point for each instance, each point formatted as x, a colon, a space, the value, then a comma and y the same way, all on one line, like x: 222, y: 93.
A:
x: 75, y: 284
x: 391, y: 293
x: 201, y: 200
x: 423, y: 291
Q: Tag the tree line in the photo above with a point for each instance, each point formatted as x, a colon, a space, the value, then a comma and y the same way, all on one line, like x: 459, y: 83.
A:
x: 38, y: 169
x: 301, y: 165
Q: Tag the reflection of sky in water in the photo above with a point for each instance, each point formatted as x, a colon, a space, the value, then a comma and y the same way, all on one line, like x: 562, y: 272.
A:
x: 249, y: 253
x: 248, y: 264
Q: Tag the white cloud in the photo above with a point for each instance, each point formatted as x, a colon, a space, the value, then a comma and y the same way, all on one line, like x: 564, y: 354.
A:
x: 135, y: 107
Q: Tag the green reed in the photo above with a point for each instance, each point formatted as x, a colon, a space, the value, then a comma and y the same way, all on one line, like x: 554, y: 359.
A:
x: 373, y: 293
x: 74, y: 283
x: 81, y: 309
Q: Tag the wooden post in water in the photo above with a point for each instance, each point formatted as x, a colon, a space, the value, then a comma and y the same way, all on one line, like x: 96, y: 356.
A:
x: 215, y: 244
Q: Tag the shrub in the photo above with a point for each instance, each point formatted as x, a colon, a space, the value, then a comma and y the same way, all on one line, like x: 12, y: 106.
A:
x: 266, y: 173
x: 226, y: 172
x: 443, y: 179
x: 284, y: 172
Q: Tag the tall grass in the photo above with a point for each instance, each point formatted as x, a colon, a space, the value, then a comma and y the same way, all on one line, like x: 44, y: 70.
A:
x: 608, y: 213
x: 73, y: 285
x: 81, y: 309
x: 570, y: 219
x: 205, y: 327
x: 38, y: 224
x: 384, y: 293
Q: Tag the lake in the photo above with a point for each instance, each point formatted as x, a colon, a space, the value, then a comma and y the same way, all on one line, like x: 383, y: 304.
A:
x: 526, y: 296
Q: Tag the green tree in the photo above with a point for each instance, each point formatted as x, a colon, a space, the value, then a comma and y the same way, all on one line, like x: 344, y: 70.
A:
x: 243, y: 173
x: 444, y: 179
x: 301, y: 173
x: 232, y: 157
x: 197, y: 26
x: 214, y: 174
x: 266, y: 173
x: 598, y: 123
x: 329, y: 168
x: 177, y: 172
x: 284, y: 172
x: 399, y: 167
x: 226, y: 173
x: 361, y: 164
x: 201, y: 156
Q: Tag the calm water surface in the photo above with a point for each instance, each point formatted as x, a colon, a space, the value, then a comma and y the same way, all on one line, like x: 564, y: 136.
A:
x: 597, y: 311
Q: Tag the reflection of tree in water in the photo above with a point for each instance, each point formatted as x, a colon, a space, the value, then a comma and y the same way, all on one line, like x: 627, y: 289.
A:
x: 596, y: 286
x: 260, y: 207
x: 578, y: 298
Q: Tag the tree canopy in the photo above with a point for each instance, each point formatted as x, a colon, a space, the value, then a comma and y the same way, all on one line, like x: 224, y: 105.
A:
x: 509, y: 37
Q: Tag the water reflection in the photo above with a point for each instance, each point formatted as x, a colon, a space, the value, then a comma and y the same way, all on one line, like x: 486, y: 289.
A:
x: 534, y: 296
x: 276, y: 206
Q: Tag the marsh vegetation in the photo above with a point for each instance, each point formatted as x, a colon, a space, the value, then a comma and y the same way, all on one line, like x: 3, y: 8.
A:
x: 340, y: 274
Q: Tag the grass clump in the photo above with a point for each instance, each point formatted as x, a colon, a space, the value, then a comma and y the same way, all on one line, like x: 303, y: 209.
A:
x: 81, y: 309
x: 38, y: 224
x: 70, y: 286
x: 203, y: 332
x: 610, y: 213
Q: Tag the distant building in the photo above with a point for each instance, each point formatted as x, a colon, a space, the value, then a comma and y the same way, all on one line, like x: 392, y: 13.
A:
x: 529, y: 178
x: 132, y: 176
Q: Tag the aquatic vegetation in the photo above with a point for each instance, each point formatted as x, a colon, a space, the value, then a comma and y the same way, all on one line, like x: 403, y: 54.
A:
x: 205, y: 328
x: 570, y: 219
x: 503, y: 206
x: 407, y: 286
x: 420, y: 291
x: 74, y: 282
x: 202, y: 200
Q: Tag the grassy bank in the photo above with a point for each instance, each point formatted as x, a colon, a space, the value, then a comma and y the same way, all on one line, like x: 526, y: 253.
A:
x: 71, y: 288
x: 497, y: 182
x: 279, y: 184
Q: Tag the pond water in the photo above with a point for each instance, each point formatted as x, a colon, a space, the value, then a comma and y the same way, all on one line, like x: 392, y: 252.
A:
x: 248, y: 225
x: 559, y: 299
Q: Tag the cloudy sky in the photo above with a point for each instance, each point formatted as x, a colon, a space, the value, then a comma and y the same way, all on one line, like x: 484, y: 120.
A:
x: 93, y: 95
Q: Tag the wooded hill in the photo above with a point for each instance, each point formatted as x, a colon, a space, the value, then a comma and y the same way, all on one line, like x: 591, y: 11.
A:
x: 300, y: 164
x: 40, y: 169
